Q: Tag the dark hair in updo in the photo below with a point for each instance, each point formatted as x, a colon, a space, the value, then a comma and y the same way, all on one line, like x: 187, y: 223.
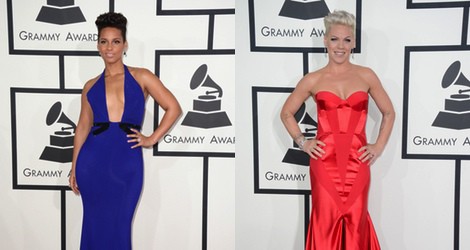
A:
x: 114, y: 20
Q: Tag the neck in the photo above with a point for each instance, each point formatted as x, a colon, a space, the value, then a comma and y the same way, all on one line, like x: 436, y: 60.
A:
x: 114, y: 69
x: 339, y: 67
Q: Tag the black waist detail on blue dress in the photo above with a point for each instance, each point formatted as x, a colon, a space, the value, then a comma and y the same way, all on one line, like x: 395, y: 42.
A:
x: 103, y: 126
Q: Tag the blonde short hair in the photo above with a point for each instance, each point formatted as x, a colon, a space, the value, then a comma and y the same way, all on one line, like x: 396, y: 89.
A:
x: 340, y: 17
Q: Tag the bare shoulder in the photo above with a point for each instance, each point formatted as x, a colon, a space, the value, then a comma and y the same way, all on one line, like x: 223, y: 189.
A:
x: 365, y: 71
x: 311, y: 82
x: 368, y: 75
x: 140, y: 72
x: 90, y: 83
x: 313, y: 76
x: 311, y: 79
x: 143, y: 75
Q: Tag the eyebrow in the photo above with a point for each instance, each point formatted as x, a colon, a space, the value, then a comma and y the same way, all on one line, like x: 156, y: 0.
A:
x: 333, y: 36
x: 115, y: 38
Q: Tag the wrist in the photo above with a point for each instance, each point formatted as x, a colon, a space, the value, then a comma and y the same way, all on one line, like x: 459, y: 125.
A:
x: 154, y: 140
x: 300, y: 140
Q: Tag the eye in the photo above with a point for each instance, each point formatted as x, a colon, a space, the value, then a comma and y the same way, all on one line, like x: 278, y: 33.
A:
x: 117, y: 41
x: 334, y: 39
x: 102, y: 41
x: 348, y: 40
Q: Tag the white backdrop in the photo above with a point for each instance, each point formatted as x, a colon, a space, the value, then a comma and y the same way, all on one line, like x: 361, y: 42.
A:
x: 204, y: 198
x: 189, y: 191
x: 411, y: 196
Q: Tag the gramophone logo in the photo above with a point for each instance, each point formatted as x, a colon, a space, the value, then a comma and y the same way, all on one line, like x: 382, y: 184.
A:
x: 207, y: 111
x: 294, y: 25
x: 304, y: 9
x: 60, y: 12
x: 61, y: 142
x: 294, y: 155
x: 456, y: 114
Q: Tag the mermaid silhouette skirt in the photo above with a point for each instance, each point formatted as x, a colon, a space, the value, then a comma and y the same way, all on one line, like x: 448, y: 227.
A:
x: 109, y: 172
x: 339, y: 181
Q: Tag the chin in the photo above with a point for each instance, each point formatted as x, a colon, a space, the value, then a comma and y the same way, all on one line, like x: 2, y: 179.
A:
x: 340, y: 60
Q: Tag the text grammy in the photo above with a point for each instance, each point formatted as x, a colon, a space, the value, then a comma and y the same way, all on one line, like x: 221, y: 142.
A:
x: 28, y: 172
x: 279, y: 32
x: 273, y: 176
x: 198, y: 139
x: 32, y: 36
x: 429, y: 141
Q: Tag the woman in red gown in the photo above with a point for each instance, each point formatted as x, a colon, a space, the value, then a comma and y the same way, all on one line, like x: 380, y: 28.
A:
x: 340, y: 156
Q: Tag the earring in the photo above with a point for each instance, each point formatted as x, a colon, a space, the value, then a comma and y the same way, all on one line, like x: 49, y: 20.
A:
x: 326, y: 52
x: 125, y: 53
x: 352, y: 53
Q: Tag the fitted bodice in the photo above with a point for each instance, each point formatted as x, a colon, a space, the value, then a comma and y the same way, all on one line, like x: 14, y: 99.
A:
x: 341, y: 126
x: 134, y: 100
x: 341, y: 116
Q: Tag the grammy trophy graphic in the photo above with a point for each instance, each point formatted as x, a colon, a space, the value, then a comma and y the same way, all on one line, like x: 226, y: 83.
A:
x: 304, y: 9
x: 457, y: 107
x: 60, y: 12
x: 61, y: 142
x: 207, y: 111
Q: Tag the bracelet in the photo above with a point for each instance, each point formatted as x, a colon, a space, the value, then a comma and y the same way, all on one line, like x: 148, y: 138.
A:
x: 301, y: 142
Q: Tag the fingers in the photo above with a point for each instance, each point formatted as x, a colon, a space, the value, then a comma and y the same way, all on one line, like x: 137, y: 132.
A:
x: 136, y: 138
x: 139, y: 140
x: 366, y: 157
x: 368, y: 154
x: 311, y: 155
x: 320, y: 143
x: 314, y: 148
x: 75, y: 190
x: 73, y: 185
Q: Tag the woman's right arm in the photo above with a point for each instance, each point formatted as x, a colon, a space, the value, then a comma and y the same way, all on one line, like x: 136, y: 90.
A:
x: 85, y: 121
x: 302, y: 91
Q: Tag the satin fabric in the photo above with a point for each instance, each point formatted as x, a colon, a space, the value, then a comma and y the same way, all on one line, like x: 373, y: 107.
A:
x: 339, y: 180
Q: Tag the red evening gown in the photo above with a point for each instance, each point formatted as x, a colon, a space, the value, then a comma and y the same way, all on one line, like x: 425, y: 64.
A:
x: 339, y: 180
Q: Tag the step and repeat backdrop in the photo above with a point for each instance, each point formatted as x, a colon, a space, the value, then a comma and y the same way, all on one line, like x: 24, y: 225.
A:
x: 49, y: 52
x: 420, y: 50
x: 216, y: 182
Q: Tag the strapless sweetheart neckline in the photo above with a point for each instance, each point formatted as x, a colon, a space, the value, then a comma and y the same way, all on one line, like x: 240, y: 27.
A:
x: 337, y: 96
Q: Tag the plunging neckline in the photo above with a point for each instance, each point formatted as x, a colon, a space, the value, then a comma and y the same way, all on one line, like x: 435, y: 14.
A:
x: 124, y: 95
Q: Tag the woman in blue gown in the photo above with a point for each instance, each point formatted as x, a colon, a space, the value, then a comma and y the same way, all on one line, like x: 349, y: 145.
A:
x: 107, y: 166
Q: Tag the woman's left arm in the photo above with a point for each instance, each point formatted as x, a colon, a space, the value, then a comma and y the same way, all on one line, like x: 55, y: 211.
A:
x: 384, y: 104
x: 167, y: 101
